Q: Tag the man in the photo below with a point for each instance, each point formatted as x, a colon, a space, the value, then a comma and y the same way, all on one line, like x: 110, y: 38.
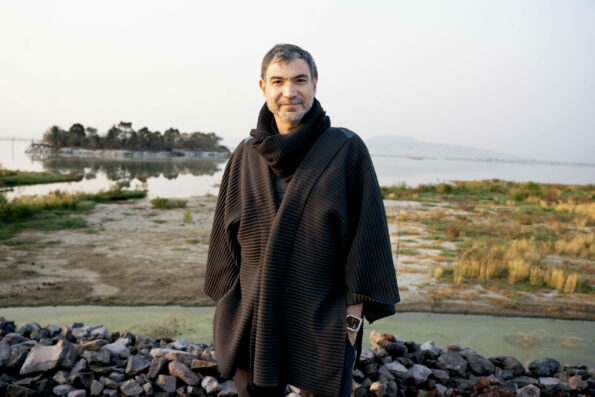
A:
x: 299, y: 247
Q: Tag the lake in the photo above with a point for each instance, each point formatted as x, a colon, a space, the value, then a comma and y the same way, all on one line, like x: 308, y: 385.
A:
x: 190, y: 177
x: 525, y: 338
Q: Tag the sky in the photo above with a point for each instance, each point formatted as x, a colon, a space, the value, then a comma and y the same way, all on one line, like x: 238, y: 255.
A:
x: 510, y: 76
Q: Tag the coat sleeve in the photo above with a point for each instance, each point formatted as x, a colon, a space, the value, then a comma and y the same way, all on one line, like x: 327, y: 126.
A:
x: 223, y: 259
x: 369, y: 269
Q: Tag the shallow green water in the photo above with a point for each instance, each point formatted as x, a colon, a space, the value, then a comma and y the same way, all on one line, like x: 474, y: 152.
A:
x: 525, y: 338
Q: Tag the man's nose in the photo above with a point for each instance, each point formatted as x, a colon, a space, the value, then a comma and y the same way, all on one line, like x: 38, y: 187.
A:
x: 289, y: 90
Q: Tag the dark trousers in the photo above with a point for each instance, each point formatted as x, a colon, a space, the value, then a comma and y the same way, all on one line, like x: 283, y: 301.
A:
x: 245, y: 389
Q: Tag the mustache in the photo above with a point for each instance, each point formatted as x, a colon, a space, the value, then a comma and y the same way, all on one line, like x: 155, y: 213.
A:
x: 294, y: 101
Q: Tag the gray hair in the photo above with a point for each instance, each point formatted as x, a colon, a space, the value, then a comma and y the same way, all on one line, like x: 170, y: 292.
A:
x: 285, y: 53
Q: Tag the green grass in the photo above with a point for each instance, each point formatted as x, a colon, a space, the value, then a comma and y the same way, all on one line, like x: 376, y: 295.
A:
x: 10, y: 178
x: 192, y: 241
x: 53, y: 211
x: 405, y: 251
x: 179, y: 249
x: 166, y: 204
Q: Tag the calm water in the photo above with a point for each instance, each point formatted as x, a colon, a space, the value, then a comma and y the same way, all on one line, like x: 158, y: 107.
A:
x: 565, y: 340
x: 189, y: 177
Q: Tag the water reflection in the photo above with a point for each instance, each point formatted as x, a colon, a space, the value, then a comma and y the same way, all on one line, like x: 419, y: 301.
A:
x: 127, y: 170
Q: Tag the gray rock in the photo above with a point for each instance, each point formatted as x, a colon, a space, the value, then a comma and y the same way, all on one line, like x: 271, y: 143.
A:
x: 479, y: 365
x: 549, y: 382
x: 77, y: 393
x: 93, y: 345
x: 62, y: 390
x: 173, y: 355
x: 52, y: 329
x: 366, y: 356
x: 371, y: 369
x: 136, y: 365
x: 4, y: 353
x: 431, y: 346
x: 131, y: 388
x: 158, y: 365
x: 44, y: 358
x: 441, y: 375
x: 441, y: 389
x: 544, y: 367
x: 528, y: 391
x: 61, y: 377
x: 452, y: 361
x: 26, y: 328
x: 522, y: 381
x: 228, y: 389
x: 462, y: 386
x: 118, y: 349
x: 96, y: 388
x: 166, y: 383
x: 117, y: 377
x: 182, y: 372
x: 100, y: 332
x: 18, y: 355
x: 110, y: 392
x: 195, y: 391
x: 398, y: 370
x: 210, y: 385
x: 378, y: 389
x: 20, y: 391
x: 201, y: 365
x: 383, y: 372
x: 509, y: 363
x: 419, y: 373
x: 109, y: 383
x: 14, y: 338
x: 148, y: 388
x: 102, y: 356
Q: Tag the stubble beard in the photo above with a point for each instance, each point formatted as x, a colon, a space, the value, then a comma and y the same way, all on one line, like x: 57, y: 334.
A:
x: 292, y: 117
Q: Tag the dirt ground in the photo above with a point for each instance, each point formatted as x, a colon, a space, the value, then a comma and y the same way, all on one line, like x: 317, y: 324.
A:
x: 132, y: 254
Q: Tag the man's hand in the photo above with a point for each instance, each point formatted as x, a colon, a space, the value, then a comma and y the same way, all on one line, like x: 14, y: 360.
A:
x: 355, y: 310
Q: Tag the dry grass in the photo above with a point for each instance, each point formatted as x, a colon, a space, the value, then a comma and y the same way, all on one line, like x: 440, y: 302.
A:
x: 438, y: 273
x: 469, y: 295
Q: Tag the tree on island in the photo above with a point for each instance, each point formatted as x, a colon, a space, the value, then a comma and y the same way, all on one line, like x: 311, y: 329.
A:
x: 123, y: 137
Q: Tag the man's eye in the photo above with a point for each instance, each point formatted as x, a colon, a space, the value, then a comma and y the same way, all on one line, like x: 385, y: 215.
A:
x: 276, y: 82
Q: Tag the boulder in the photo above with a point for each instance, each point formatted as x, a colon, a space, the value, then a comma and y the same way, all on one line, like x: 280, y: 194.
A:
x: 509, y: 363
x: 182, y: 372
x: 528, y: 391
x: 228, y: 389
x: 453, y: 362
x: 77, y: 393
x: 26, y: 328
x: 575, y: 383
x: 131, y: 388
x: 544, y: 367
x: 419, y: 373
x: 96, y: 388
x: 158, y: 365
x: 479, y: 365
x: 173, y: 355
x: 378, y: 389
x: 136, y: 365
x: 431, y: 346
x: 14, y: 338
x: 62, y: 390
x: 167, y: 383
x: 4, y: 353
x: 20, y: 391
x: 44, y: 358
x: 210, y: 385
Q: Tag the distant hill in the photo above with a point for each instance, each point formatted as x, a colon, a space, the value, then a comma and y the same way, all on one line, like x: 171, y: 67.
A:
x: 411, y: 147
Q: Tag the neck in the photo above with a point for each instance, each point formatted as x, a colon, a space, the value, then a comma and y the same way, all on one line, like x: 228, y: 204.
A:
x: 286, y: 127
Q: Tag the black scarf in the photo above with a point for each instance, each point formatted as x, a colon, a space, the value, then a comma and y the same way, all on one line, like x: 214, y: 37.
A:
x: 284, y: 153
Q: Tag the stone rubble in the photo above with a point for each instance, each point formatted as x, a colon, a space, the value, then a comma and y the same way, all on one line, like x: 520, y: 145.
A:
x: 81, y: 361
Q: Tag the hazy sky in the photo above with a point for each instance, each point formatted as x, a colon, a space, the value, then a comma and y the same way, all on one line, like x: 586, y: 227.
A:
x: 513, y: 76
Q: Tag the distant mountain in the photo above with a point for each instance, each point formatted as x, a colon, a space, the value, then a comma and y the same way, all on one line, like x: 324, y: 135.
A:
x: 411, y: 147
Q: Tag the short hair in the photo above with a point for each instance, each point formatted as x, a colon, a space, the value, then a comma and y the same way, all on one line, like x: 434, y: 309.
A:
x: 285, y: 53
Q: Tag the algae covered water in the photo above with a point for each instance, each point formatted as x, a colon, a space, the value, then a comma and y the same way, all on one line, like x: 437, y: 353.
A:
x: 527, y: 339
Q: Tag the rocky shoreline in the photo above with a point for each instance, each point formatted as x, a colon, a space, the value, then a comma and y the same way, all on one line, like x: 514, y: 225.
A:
x: 78, y: 360
x: 42, y: 151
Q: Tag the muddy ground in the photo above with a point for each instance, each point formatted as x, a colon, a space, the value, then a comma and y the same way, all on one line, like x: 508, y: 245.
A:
x: 132, y: 254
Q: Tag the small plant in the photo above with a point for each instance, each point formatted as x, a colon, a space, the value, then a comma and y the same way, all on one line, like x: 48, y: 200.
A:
x: 166, y: 204
x: 187, y: 216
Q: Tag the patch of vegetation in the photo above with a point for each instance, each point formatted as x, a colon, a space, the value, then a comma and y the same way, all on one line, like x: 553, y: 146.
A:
x: 159, y: 221
x: 192, y: 241
x: 506, y: 231
x: 405, y: 251
x: 52, y: 211
x: 169, y: 327
x: 166, y: 204
x: 179, y: 249
x: 20, y: 178
x: 187, y: 216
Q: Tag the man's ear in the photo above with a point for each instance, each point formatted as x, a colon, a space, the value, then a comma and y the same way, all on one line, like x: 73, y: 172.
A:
x: 263, y: 87
x: 314, y: 83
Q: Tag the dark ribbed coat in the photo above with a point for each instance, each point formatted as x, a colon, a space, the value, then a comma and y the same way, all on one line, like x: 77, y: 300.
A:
x: 282, y: 276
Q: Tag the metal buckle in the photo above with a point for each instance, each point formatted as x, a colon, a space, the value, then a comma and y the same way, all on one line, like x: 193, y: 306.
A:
x: 351, y: 327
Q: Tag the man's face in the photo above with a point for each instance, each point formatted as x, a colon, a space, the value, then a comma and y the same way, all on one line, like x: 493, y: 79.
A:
x: 289, y: 90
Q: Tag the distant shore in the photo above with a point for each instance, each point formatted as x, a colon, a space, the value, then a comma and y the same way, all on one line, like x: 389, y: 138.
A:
x: 38, y: 151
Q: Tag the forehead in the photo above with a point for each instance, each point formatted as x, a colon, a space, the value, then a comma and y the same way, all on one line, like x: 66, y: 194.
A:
x: 288, y: 70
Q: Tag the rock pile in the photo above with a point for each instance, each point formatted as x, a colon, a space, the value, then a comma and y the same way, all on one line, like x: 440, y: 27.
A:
x: 78, y: 360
